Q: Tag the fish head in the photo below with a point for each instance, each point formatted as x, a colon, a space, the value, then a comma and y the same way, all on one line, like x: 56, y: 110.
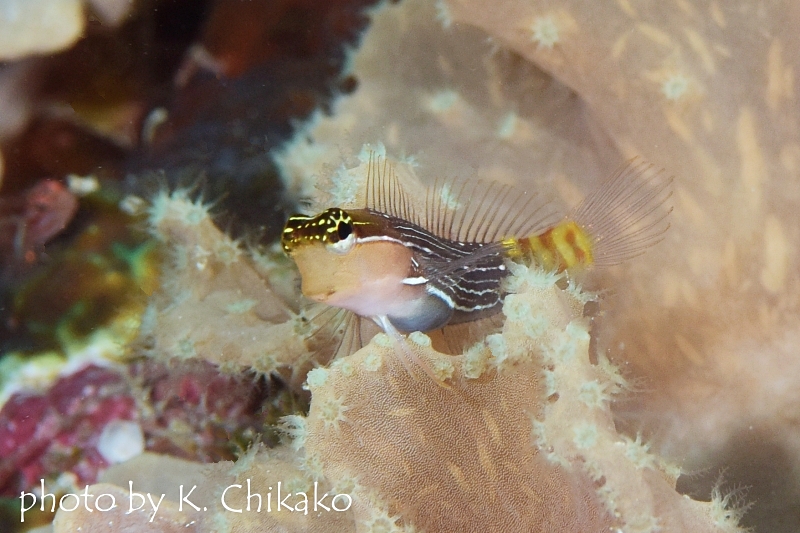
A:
x: 333, y: 228
x: 344, y: 262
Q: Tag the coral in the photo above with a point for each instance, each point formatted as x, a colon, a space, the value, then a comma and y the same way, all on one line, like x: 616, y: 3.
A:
x: 704, y: 325
x: 208, y: 280
x: 521, y: 437
x: 82, y: 300
x: 96, y: 417
x: 265, y: 469
x: 39, y: 26
x: 249, y: 488
x: 690, y: 88
x: 47, y: 435
x: 190, y: 409
x: 131, y: 513
x: 111, y: 12
x: 28, y: 221
x: 120, y: 441
x: 15, y: 106
x: 501, y: 449
x: 496, y: 450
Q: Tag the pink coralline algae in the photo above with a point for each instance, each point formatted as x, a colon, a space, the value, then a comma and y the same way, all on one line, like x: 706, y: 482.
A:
x: 187, y: 410
x: 193, y: 411
x: 45, y: 435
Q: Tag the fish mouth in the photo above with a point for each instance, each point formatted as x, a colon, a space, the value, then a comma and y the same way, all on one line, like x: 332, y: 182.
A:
x: 321, y: 297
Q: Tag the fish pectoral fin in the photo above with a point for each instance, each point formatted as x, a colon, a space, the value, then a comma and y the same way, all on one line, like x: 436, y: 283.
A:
x: 327, y: 333
x: 438, y: 269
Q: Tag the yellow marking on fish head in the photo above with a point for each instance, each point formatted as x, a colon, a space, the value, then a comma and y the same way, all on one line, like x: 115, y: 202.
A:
x: 333, y: 227
x: 339, y: 270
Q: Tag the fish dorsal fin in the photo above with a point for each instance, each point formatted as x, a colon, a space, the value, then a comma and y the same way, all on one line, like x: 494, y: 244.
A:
x: 384, y: 192
x: 484, y: 211
x: 459, y: 210
x: 628, y: 213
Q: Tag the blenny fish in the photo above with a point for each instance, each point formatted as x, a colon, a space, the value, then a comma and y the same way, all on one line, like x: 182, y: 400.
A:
x: 410, y: 272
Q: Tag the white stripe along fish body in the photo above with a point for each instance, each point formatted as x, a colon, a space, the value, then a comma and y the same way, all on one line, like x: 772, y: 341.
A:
x: 413, y: 273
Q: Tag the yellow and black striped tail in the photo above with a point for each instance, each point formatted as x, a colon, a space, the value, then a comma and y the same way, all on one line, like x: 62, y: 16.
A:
x: 566, y: 246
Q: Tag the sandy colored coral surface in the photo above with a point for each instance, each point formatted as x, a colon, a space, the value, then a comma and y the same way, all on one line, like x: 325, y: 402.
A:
x: 518, y: 436
x: 460, y: 458
x: 214, y: 304
x: 553, y: 96
x: 32, y: 27
x: 708, y: 91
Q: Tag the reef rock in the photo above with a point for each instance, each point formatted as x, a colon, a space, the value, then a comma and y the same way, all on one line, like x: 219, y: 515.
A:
x: 31, y: 27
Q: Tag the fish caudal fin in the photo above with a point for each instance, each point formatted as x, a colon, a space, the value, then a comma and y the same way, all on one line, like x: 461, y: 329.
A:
x: 621, y: 219
x: 627, y: 214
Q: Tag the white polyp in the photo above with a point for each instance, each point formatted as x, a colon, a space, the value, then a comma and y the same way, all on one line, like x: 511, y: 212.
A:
x: 121, y: 440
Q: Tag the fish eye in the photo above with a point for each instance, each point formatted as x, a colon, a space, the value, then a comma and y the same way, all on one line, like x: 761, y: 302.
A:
x: 341, y: 236
x: 344, y: 229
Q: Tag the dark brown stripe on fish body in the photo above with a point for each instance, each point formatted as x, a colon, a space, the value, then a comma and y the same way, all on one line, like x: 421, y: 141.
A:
x: 473, y: 288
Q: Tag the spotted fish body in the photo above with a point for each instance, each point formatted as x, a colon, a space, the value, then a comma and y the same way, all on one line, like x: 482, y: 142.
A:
x: 378, y: 263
